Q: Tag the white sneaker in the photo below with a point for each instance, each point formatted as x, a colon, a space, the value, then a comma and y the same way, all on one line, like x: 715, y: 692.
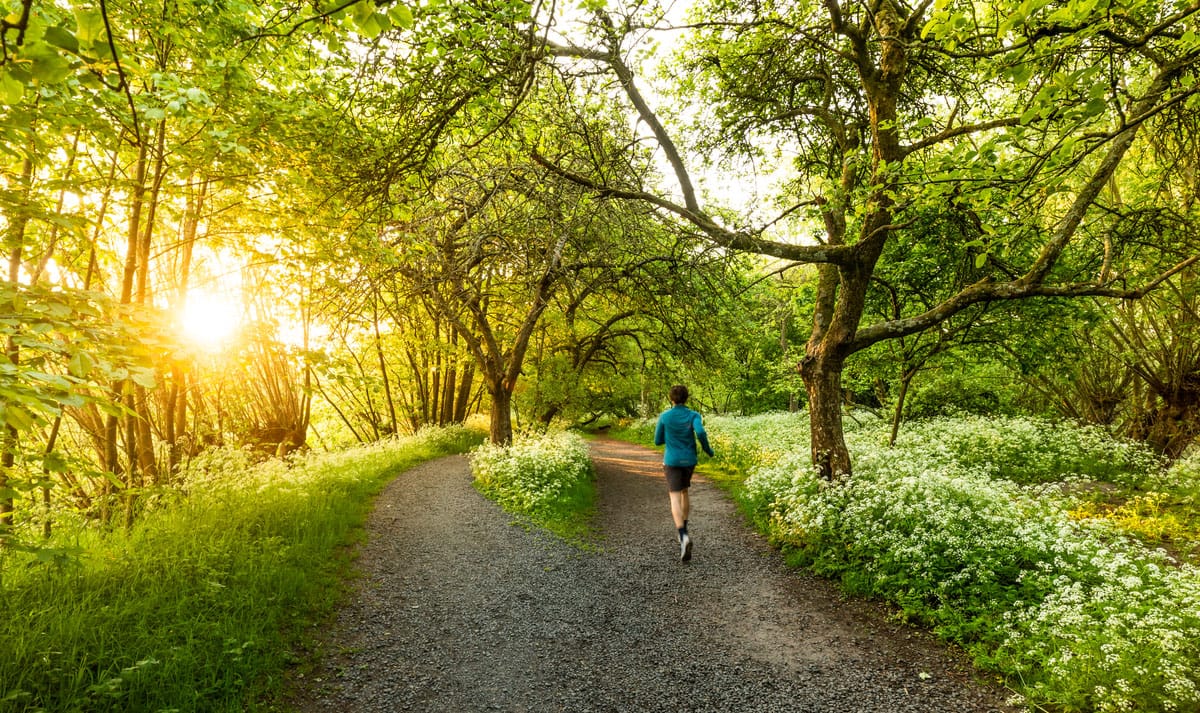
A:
x: 685, y: 548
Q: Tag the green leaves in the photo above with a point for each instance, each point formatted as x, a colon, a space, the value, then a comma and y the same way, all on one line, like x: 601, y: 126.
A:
x: 401, y: 16
x: 62, y: 38
x: 71, y: 346
x: 89, y: 26
x: 80, y: 364
x: 46, y: 64
x: 366, y: 19
x: 11, y: 88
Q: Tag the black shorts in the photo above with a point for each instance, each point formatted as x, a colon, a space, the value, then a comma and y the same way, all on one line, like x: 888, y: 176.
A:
x: 679, y: 477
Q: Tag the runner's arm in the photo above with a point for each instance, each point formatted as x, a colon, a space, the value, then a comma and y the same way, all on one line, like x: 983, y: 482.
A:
x: 702, y: 435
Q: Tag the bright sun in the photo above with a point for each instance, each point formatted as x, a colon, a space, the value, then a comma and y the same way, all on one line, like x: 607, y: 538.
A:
x: 210, y: 318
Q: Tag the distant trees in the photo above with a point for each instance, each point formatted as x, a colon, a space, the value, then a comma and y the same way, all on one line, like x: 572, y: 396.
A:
x: 486, y: 242
x: 142, y: 147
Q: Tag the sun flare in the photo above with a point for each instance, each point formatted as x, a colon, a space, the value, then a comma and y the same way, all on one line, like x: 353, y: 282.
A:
x: 210, y: 319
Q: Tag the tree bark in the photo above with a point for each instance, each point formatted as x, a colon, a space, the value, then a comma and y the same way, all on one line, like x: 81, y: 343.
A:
x: 465, y: 387
x: 177, y: 397
x: 120, y: 388
x: 435, y: 387
x: 383, y: 370
x: 449, y: 382
x: 147, y: 461
x: 905, y: 380
x: 823, y: 382
x: 51, y: 441
x: 501, y: 426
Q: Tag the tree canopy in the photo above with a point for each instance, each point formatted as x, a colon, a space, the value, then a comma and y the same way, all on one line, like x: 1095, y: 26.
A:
x: 1012, y: 121
x: 410, y: 214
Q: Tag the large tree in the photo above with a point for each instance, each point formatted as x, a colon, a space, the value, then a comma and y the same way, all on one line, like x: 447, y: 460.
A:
x: 1014, y: 118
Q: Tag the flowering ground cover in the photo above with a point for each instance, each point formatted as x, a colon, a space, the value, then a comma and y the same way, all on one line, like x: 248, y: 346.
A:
x: 1012, y: 537
x: 545, y: 477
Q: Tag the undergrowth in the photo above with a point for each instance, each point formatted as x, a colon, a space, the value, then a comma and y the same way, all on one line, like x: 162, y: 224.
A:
x: 991, y: 532
x: 547, y: 478
x: 199, y: 605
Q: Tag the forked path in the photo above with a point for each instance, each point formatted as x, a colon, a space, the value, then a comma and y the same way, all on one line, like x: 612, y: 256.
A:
x: 459, y: 610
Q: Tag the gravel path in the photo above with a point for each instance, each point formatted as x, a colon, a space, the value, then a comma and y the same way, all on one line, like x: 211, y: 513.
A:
x: 459, y: 610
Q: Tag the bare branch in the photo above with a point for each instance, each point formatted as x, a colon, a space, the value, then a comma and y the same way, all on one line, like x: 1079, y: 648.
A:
x: 124, y: 81
x: 318, y: 17
x: 953, y: 133
x: 1087, y: 195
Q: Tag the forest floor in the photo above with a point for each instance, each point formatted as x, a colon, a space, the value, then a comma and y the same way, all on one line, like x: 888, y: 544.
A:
x: 458, y: 608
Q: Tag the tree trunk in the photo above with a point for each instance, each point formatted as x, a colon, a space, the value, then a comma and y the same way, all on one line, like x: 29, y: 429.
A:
x: 383, y: 371
x: 905, y: 379
x: 448, y: 383
x: 421, y: 411
x: 107, y: 444
x: 51, y: 440
x: 121, y: 392
x: 464, y: 392
x: 177, y: 396
x: 501, y: 427
x: 8, y: 453
x: 823, y: 382
x: 9, y: 440
x: 785, y: 321
x: 147, y: 461
x: 93, y: 265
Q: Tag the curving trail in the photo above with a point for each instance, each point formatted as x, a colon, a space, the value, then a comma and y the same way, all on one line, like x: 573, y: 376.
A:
x: 459, y: 610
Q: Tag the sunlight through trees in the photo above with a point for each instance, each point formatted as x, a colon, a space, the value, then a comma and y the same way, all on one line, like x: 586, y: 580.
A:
x: 266, y: 226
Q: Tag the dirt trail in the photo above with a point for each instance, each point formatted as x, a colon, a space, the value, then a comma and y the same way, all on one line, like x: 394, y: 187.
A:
x: 460, y: 610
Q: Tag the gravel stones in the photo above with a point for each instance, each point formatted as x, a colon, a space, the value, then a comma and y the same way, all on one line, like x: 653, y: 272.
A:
x: 460, y: 610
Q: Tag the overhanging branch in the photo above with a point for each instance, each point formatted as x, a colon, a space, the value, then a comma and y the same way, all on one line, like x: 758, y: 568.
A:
x: 987, y: 291
x: 733, y: 240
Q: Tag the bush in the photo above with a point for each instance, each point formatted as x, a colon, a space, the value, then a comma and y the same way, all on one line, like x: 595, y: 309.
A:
x: 547, y: 478
x: 1030, y: 450
x: 978, y: 389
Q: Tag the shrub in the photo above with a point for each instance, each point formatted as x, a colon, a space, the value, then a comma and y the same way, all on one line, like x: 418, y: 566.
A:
x: 547, y: 478
x: 1031, y: 450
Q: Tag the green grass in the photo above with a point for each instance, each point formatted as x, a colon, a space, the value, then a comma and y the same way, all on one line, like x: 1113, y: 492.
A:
x: 202, y: 604
x: 547, y: 479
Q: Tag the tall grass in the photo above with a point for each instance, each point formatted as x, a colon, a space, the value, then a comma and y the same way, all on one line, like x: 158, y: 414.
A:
x: 547, y: 478
x: 200, y: 605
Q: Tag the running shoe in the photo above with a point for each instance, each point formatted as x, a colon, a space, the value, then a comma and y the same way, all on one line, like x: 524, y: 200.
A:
x: 685, y: 548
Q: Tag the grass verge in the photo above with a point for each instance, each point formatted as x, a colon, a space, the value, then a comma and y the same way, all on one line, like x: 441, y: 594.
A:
x: 546, y: 478
x: 201, y: 604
